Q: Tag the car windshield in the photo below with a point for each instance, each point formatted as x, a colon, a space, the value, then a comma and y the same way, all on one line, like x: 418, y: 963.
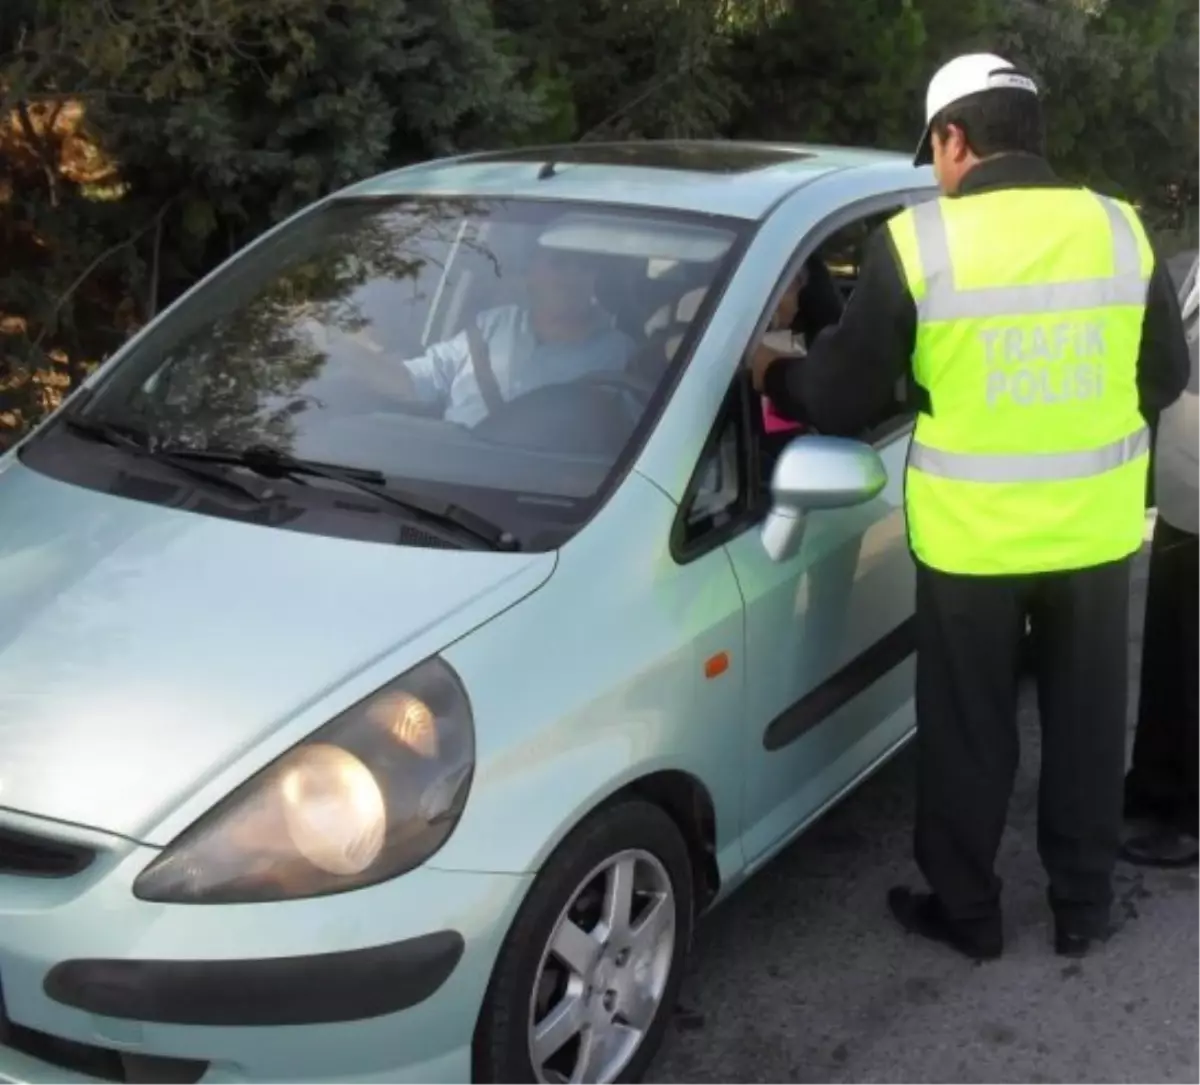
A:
x: 511, y: 345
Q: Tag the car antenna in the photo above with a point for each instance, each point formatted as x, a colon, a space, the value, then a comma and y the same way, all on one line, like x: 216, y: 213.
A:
x: 550, y: 166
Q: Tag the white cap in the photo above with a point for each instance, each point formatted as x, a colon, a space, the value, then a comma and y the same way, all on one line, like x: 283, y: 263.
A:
x: 960, y: 78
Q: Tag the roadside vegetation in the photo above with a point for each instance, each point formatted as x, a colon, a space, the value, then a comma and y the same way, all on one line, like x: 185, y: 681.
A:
x: 144, y: 141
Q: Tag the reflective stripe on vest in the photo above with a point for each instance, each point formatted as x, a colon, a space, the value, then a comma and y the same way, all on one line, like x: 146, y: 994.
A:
x: 944, y: 301
x: 1032, y: 467
x: 1032, y: 455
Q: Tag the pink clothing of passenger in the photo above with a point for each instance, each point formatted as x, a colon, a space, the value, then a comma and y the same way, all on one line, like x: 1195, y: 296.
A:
x: 774, y: 423
x: 784, y: 342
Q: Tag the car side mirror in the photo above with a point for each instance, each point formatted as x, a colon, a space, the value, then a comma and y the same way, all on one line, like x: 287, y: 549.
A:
x: 817, y: 473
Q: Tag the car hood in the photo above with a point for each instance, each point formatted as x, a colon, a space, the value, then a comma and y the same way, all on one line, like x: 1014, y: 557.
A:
x: 144, y: 649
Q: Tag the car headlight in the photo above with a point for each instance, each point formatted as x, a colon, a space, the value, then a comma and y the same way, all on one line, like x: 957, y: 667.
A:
x: 372, y: 794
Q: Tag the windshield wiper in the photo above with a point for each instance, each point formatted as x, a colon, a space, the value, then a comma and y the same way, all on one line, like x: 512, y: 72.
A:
x: 109, y: 433
x: 139, y: 443
x: 272, y: 463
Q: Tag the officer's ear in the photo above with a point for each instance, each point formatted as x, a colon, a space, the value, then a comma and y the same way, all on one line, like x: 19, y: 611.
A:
x: 952, y: 136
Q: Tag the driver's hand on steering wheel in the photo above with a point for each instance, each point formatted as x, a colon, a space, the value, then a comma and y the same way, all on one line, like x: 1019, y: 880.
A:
x: 366, y: 362
x: 388, y: 376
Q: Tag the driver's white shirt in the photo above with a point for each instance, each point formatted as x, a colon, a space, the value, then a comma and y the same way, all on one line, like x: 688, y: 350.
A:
x: 444, y: 374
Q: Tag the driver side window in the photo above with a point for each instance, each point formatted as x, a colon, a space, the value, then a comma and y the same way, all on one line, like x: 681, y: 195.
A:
x: 837, y: 261
x: 721, y: 502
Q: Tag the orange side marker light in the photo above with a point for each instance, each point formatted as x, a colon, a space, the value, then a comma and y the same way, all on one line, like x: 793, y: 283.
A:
x: 717, y: 665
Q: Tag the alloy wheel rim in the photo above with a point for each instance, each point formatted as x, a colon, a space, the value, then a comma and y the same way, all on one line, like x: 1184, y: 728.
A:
x: 603, y: 972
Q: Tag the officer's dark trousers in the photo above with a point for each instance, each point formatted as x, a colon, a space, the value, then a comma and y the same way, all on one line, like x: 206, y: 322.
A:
x: 969, y: 634
x: 1162, y: 781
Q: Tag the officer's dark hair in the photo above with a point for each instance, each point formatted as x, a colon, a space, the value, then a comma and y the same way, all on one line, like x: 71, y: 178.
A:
x: 1002, y: 120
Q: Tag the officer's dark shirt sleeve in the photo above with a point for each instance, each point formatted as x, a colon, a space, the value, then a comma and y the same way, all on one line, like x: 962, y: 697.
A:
x: 847, y: 383
x: 1164, y: 365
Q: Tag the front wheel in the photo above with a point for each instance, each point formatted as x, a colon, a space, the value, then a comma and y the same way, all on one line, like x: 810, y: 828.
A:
x: 585, y: 983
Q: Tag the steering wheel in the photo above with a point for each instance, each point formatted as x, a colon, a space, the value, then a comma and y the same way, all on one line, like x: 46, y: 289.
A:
x: 591, y: 415
x: 637, y: 388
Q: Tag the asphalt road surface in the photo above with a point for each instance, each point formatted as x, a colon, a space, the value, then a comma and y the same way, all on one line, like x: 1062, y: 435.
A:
x: 802, y: 976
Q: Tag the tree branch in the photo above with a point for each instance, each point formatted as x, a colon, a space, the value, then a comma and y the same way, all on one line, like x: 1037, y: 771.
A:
x: 41, y: 148
x: 86, y: 273
x: 152, y: 299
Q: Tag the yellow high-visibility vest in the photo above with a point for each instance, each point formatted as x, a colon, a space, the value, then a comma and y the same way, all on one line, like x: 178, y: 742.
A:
x: 1034, y: 455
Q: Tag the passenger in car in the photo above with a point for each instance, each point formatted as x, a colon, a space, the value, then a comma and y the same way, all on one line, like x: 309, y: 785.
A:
x: 559, y: 335
x: 809, y: 305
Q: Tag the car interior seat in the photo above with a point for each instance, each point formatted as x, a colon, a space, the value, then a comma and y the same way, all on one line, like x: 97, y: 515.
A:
x: 672, y: 302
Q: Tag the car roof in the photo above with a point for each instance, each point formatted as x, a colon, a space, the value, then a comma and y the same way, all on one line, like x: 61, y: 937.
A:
x: 738, y: 179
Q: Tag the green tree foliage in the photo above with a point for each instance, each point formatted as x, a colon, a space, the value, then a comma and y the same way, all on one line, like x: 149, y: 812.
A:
x: 642, y: 69
x: 1121, y: 94
x: 142, y: 141
x: 206, y: 121
x: 831, y: 71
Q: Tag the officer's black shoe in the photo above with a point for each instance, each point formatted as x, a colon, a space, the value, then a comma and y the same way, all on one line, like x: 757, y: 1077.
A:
x: 923, y: 914
x: 1074, y: 942
x: 1069, y: 943
x: 1161, y: 847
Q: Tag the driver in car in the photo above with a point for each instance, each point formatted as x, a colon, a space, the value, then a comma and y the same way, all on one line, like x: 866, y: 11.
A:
x: 559, y: 335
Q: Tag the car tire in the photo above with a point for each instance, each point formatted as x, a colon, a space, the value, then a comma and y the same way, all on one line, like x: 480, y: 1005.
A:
x: 636, y: 968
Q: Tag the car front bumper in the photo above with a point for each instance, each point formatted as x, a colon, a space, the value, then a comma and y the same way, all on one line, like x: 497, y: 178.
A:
x: 383, y: 984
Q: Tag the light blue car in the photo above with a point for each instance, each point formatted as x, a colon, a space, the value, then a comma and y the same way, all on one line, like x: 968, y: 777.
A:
x: 406, y: 636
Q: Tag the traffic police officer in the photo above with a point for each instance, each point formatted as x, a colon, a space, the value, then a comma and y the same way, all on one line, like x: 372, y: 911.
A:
x: 1040, y: 338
